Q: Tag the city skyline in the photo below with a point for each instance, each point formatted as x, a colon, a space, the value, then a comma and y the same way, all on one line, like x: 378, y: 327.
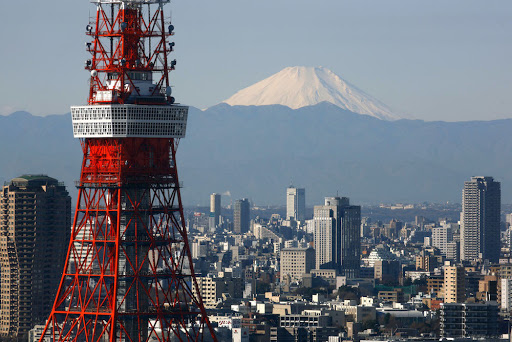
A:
x: 131, y: 263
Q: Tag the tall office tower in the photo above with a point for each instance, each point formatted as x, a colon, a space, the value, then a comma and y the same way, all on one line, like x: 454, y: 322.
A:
x: 480, y: 226
x: 241, y: 216
x: 454, y: 287
x: 337, y: 236
x: 35, y: 221
x: 215, y: 210
x: 296, y: 204
x: 129, y: 273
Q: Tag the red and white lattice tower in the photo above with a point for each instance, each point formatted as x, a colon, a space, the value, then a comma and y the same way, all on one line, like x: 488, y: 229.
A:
x: 129, y: 274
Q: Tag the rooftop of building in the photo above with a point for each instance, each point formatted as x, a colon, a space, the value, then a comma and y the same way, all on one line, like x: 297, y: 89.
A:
x: 33, y: 180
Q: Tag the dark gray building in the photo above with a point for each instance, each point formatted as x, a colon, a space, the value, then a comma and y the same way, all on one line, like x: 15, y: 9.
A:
x: 469, y: 319
x: 337, y: 236
x: 480, y: 219
x: 241, y: 216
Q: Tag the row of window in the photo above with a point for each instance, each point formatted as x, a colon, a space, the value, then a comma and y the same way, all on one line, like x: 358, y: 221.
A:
x: 91, y: 113
x: 142, y: 128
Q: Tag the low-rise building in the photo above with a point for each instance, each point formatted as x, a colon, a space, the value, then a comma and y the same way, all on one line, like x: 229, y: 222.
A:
x: 469, y: 319
x: 395, y: 296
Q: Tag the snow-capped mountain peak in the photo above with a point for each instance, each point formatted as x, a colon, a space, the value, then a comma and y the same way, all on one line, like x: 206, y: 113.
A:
x: 298, y: 87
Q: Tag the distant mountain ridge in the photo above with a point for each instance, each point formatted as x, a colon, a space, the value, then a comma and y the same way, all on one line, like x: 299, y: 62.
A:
x: 298, y: 87
x: 254, y: 151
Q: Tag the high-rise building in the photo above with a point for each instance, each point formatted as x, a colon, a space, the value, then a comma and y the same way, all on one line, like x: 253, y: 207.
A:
x: 215, y: 208
x: 480, y: 226
x: 241, y: 216
x: 35, y: 223
x: 454, y: 284
x: 295, y: 203
x: 337, y: 236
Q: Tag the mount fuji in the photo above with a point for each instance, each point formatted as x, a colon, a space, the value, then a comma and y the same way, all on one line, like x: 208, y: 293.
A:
x: 298, y: 87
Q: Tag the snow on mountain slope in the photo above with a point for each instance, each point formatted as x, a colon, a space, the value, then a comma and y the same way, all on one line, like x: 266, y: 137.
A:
x: 298, y: 87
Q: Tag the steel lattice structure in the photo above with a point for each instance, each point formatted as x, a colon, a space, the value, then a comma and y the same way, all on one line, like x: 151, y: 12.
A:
x: 129, y: 274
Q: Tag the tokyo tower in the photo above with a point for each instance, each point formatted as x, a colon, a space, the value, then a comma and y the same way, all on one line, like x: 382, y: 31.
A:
x: 129, y: 274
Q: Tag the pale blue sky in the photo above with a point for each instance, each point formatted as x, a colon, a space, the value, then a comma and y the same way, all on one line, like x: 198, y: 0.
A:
x: 433, y: 60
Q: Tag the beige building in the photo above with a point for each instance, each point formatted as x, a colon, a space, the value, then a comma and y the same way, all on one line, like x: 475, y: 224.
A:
x: 214, y: 289
x: 395, y: 296
x: 454, y: 284
x: 295, y: 262
x: 35, y: 220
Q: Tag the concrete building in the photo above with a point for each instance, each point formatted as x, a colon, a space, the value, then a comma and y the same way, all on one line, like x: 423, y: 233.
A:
x: 480, y: 226
x: 441, y: 236
x: 387, y: 271
x: 215, y: 211
x: 506, y: 295
x: 453, y: 251
x: 295, y: 262
x: 395, y: 296
x: 263, y: 232
x: 241, y: 216
x: 296, y: 204
x: 337, y: 236
x: 312, y: 318
x: 212, y: 289
x: 426, y: 262
x: 435, y: 284
x: 35, y: 221
x: 504, y: 273
x: 454, y: 289
x: 469, y: 320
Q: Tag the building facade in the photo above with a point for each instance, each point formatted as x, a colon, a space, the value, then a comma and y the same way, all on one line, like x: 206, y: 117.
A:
x: 296, y: 204
x: 35, y: 221
x: 212, y: 289
x: 387, y: 271
x: 241, y: 216
x: 469, y: 320
x: 215, y: 210
x: 454, y: 289
x: 295, y: 262
x: 441, y: 236
x: 337, y: 236
x: 480, y: 226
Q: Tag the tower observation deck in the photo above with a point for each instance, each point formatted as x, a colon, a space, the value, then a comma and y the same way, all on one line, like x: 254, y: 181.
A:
x: 129, y: 274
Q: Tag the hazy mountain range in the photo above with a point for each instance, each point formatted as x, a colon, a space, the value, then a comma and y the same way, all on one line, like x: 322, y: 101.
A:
x: 257, y: 151
x: 305, y: 126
